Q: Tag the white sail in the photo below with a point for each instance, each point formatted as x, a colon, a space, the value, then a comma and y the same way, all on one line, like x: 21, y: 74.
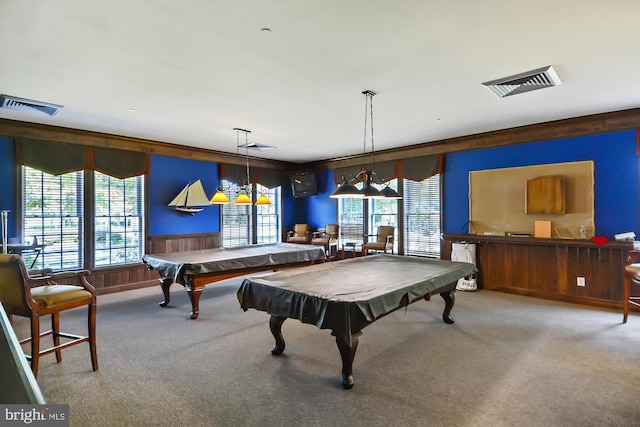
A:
x: 191, y: 199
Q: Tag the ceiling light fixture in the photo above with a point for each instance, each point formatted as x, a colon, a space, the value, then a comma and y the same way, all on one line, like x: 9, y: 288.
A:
x: 347, y: 188
x: 220, y: 198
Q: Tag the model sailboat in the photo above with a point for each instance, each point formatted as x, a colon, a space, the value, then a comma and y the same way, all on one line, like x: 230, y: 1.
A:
x: 191, y: 199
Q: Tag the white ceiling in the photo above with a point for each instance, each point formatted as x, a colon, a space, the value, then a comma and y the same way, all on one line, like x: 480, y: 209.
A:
x: 194, y: 70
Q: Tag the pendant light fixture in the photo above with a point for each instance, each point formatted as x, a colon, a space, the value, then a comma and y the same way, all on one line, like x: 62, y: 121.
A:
x: 219, y: 198
x: 347, y: 188
x: 244, y: 198
x: 263, y: 200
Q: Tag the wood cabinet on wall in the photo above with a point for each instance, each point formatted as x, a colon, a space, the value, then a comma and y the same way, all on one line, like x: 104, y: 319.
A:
x: 545, y: 195
x: 549, y: 268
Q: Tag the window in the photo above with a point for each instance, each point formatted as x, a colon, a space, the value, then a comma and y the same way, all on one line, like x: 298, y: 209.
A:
x: 240, y: 223
x: 119, y: 219
x: 53, y: 209
x: 53, y: 213
x: 236, y: 219
x: 351, y: 219
x: 422, y: 217
x: 268, y: 217
x: 384, y: 212
x: 420, y: 229
x: 363, y: 216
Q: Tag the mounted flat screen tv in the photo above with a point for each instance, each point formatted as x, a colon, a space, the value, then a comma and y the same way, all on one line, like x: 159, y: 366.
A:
x: 303, y: 184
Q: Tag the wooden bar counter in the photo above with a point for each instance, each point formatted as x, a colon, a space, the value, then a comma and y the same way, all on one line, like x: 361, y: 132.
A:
x: 549, y: 268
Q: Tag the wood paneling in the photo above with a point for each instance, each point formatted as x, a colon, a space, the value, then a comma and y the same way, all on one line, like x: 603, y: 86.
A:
x: 122, y: 278
x: 548, y: 268
x: 182, y: 242
x: 566, y: 128
x: 572, y: 127
x: 133, y: 276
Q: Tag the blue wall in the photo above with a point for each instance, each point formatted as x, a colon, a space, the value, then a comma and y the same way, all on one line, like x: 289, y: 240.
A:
x: 8, y: 183
x: 616, y: 176
x: 294, y: 211
x: 614, y: 156
x: 167, y: 178
x: 317, y: 211
x: 321, y: 209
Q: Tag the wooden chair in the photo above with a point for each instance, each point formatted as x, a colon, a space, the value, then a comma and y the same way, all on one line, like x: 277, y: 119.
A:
x: 383, y: 240
x: 299, y: 234
x: 36, y: 296
x: 327, y: 238
x: 631, y: 278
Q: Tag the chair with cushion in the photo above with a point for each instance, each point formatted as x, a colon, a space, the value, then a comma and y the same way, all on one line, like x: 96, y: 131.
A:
x: 382, y: 242
x: 327, y: 238
x: 631, y: 280
x: 34, y: 296
x: 299, y: 234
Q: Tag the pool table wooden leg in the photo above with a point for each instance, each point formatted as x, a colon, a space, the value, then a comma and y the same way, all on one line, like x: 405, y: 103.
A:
x: 347, y: 353
x: 449, y: 300
x: 165, y: 284
x: 275, y: 324
x: 194, y: 293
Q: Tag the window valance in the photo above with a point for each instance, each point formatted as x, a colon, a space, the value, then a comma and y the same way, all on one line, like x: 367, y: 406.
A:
x: 385, y: 170
x: 57, y: 158
x: 270, y: 178
x: 237, y: 174
x: 54, y: 158
x: 415, y: 168
x: 421, y: 168
x: 120, y: 163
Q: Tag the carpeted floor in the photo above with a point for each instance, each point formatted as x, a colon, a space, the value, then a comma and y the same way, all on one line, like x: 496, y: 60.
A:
x: 507, y: 361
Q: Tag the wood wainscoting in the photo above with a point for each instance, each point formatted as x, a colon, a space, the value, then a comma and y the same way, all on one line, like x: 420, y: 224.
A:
x: 549, y: 268
x: 182, y: 242
x: 133, y: 276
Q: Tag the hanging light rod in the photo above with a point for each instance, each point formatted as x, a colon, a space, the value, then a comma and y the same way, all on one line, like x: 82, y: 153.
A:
x: 368, y: 175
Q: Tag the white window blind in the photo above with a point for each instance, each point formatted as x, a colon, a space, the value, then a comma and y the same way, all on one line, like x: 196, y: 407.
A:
x: 236, y: 219
x: 351, y: 219
x: 119, y: 219
x: 422, y: 217
x: 52, y: 212
x: 384, y: 212
x: 268, y: 223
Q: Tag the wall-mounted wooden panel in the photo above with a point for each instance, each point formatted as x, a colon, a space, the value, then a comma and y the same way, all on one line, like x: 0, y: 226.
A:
x: 545, y: 195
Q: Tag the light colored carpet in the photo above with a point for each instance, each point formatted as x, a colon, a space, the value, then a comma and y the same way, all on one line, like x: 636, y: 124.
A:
x: 507, y: 361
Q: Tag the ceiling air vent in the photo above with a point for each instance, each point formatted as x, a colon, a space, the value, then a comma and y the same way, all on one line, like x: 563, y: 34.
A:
x: 256, y: 146
x: 524, y: 82
x: 28, y: 105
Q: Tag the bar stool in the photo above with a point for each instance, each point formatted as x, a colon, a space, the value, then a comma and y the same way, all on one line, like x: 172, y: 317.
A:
x: 631, y: 277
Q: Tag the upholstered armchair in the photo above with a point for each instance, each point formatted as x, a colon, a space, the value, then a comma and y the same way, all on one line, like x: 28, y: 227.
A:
x: 328, y: 238
x: 299, y: 234
x: 382, y: 241
x: 33, y: 296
